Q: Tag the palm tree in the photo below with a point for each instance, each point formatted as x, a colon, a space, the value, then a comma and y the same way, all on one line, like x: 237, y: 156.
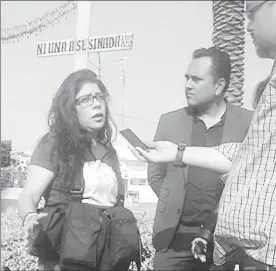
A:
x: 229, y: 36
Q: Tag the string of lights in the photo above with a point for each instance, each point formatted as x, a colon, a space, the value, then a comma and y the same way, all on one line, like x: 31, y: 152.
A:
x: 35, y: 26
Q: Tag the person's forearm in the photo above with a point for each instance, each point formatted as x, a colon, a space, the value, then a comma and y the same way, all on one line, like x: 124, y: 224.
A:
x: 25, y: 205
x: 207, y: 158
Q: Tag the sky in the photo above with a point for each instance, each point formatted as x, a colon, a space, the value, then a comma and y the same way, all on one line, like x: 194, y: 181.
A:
x: 165, y: 35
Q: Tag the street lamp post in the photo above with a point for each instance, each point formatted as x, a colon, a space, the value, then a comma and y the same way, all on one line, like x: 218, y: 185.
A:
x: 82, y: 32
x: 123, y: 78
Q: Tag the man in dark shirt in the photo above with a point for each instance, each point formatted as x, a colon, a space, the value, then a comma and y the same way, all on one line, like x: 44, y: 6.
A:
x: 188, y: 196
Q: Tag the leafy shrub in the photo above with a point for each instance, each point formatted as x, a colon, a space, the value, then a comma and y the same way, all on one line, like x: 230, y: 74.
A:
x: 6, y: 177
x: 15, y: 174
x: 5, y: 153
x: 145, y: 225
x: 12, y: 253
x: 11, y: 177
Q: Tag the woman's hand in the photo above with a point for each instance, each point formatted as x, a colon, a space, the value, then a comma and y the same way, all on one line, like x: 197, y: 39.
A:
x: 31, y: 229
x: 158, y: 152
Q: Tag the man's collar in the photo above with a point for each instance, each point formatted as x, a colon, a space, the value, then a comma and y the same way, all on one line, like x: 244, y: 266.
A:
x: 222, y: 118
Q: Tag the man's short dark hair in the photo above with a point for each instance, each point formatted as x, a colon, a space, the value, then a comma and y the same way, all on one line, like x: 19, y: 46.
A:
x: 221, y: 65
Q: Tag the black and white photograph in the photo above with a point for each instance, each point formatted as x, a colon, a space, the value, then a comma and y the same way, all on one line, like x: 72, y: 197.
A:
x: 138, y: 135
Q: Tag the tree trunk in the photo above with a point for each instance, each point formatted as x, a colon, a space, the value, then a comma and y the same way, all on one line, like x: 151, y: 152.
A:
x: 229, y: 36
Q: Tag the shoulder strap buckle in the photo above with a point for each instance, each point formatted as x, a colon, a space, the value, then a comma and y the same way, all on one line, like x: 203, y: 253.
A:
x: 76, y: 194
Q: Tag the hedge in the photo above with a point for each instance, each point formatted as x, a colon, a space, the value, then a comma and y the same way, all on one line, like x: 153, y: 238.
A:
x: 5, y: 153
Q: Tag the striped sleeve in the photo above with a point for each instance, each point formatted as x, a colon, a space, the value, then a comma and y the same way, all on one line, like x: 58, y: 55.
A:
x: 230, y: 150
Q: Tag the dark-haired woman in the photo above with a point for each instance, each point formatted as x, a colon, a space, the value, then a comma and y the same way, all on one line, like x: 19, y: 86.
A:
x: 80, y: 129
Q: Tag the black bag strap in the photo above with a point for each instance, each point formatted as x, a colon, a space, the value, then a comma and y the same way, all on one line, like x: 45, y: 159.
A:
x: 78, y: 185
x: 77, y: 188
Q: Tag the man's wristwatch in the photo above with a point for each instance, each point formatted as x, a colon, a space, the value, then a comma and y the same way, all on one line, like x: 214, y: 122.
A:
x: 178, y: 159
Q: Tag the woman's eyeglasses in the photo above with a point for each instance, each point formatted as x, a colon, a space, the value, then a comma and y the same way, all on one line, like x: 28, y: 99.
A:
x: 88, y: 100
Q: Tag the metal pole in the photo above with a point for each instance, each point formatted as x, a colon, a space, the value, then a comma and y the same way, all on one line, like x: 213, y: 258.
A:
x: 83, y: 32
x: 123, y: 76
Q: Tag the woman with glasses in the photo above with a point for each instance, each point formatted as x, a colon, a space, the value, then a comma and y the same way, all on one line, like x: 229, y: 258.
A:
x: 80, y: 133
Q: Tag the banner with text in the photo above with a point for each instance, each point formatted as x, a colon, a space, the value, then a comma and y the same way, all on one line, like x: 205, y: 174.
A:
x: 94, y: 44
